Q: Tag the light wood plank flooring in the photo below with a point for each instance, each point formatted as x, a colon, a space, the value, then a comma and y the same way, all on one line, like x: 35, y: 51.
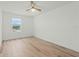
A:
x: 34, y: 47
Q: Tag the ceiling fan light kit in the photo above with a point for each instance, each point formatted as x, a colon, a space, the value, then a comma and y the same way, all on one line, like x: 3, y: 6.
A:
x: 33, y: 9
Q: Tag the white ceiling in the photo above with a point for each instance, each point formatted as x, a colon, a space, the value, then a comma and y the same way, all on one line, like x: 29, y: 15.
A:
x: 20, y: 7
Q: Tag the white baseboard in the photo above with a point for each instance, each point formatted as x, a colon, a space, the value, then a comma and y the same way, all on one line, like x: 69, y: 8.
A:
x: 17, y: 38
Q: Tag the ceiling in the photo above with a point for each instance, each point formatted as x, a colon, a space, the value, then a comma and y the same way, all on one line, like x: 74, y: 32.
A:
x: 20, y: 7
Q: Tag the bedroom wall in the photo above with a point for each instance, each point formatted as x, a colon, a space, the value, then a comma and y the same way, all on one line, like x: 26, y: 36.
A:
x: 60, y: 26
x: 26, y: 30
x: 0, y: 27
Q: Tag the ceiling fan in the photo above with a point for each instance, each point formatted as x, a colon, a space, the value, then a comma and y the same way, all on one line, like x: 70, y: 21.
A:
x: 34, y: 7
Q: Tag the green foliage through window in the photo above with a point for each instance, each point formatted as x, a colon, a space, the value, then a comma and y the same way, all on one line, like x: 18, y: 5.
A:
x: 16, y: 23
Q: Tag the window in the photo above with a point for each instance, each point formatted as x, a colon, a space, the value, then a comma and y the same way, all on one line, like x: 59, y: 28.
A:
x: 16, y: 23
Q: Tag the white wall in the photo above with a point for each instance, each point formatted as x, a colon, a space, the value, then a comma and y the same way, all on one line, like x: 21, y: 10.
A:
x: 27, y: 26
x: 0, y: 27
x: 60, y: 26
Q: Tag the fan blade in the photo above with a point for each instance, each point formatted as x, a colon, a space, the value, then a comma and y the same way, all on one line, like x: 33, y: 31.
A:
x: 28, y: 9
x: 38, y: 9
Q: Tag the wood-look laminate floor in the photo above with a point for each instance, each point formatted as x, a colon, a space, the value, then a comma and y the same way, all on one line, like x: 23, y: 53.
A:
x: 34, y: 47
